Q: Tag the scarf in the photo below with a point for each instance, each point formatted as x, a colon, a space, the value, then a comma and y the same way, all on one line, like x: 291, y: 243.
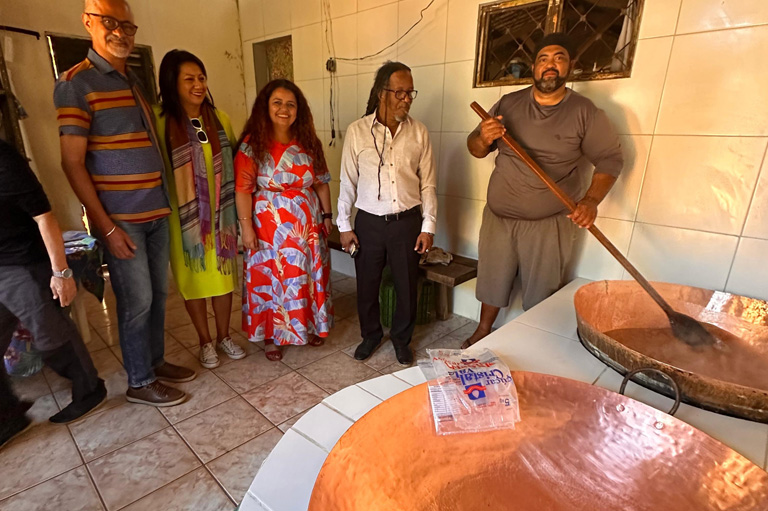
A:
x: 191, y: 177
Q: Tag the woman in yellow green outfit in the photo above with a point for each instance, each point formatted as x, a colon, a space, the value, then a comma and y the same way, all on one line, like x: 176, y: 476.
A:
x: 196, y: 140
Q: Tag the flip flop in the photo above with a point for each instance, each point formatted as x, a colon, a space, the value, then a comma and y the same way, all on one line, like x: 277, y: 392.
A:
x: 316, y: 341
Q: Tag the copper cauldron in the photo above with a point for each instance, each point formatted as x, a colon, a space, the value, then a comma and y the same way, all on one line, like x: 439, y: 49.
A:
x: 619, y: 324
x: 578, y: 447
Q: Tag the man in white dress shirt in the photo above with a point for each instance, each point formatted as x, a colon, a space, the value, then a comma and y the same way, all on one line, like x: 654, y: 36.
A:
x: 388, y: 174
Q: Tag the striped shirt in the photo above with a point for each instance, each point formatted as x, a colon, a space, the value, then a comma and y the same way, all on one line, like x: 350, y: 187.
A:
x: 94, y: 100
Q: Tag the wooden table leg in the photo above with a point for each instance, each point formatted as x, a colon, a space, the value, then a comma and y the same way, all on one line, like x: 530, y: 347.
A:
x: 443, y: 305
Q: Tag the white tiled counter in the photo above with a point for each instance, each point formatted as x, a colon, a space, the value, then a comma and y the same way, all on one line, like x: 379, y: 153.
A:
x: 541, y: 340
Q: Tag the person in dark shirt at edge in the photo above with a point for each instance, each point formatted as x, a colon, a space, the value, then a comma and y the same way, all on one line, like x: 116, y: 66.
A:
x: 35, y: 287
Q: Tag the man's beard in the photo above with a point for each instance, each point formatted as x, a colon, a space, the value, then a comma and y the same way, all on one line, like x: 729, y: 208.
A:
x: 547, y: 85
x: 117, y: 50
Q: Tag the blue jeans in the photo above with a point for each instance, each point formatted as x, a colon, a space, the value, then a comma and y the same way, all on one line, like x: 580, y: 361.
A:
x: 141, y: 287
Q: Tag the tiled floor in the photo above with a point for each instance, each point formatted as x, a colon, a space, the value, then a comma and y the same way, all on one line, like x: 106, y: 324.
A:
x: 200, y: 455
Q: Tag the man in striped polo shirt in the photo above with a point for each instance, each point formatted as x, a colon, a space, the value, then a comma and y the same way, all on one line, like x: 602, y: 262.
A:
x: 111, y: 158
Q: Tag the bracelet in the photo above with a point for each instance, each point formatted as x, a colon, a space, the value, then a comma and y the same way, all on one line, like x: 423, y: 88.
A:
x: 328, y: 216
x: 244, y: 218
x: 110, y: 232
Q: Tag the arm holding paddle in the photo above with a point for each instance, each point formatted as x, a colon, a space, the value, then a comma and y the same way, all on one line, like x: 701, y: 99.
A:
x: 481, y: 141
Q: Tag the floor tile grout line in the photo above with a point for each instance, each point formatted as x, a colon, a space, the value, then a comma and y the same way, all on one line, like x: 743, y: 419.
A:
x: 155, y: 490
x: 221, y: 485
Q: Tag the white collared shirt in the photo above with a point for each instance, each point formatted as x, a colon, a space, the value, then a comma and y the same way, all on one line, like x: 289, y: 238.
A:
x: 408, y: 176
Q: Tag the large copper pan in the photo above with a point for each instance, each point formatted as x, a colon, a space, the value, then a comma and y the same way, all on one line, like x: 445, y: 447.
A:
x: 577, y: 447
x: 623, y: 327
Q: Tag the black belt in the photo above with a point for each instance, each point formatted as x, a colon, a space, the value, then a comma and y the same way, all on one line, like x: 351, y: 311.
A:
x: 416, y: 210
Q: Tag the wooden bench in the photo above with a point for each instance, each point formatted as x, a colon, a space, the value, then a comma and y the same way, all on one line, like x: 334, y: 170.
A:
x: 460, y: 270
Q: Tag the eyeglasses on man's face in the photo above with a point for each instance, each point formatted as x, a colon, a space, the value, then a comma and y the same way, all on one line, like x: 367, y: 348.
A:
x: 111, y: 24
x: 401, y: 94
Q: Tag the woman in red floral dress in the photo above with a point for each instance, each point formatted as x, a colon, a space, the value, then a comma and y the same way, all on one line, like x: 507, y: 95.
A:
x: 284, y: 210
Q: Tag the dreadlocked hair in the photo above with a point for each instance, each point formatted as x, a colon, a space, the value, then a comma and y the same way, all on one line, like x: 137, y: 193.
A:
x: 259, y: 131
x: 381, y: 81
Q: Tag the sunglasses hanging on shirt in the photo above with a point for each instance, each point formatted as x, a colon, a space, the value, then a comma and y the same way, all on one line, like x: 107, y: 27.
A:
x: 202, y: 136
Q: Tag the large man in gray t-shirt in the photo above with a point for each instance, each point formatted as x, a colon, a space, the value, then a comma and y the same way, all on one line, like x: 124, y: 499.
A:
x: 525, y: 228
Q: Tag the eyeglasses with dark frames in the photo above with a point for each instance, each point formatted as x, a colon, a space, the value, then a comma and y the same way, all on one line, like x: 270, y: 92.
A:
x: 202, y: 136
x: 111, y: 23
x: 401, y: 94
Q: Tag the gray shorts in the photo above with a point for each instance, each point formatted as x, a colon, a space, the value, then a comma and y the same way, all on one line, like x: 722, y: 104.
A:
x: 538, y: 249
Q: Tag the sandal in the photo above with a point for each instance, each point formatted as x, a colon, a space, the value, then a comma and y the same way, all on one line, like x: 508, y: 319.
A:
x: 274, y: 355
x: 316, y: 341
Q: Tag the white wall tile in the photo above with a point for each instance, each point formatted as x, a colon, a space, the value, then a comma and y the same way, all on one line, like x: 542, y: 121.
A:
x: 313, y: 91
x: 462, y: 29
x: 364, y: 84
x: 428, y: 105
x: 621, y: 202
x: 363, y: 5
x: 749, y: 275
x: 334, y: 185
x: 250, y: 98
x: 333, y: 156
x: 681, y: 256
x: 307, y: 53
x: 632, y: 103
x: 425, y: 44
x: 436, y: 138
x: 343, y: 7
x: 698, y: 100
x: 249, y: 73
x: 704, y: 15
x: 459, y: 93
x: 702, y: 183
x: 251, y: 19
x: 277, y: 18
x: 458, y: 224
x: 345, y: 111
x: 461, y: 174
x: 591, y: 260
x: 659, y: 18
x: 376, y: 29
x: 304, y: 12
x: 340, y: 261
x: 344, y: 31
x: 757, y: 219
x: 464, y: 301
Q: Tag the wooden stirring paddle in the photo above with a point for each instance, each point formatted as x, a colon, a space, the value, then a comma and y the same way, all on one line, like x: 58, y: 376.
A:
x: 684, y: 327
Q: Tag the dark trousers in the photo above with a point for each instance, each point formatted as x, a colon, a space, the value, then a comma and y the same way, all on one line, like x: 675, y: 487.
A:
x: 25, y: 295
x: 387, y: 242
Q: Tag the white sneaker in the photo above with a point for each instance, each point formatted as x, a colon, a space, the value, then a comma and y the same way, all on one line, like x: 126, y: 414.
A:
x: 208, y: 357
x: 231, y: 349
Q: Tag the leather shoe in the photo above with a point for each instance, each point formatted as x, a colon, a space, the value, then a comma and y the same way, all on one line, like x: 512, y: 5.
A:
x: 173, y: 373
x: 155, y: 394
x: 366, y: 348
x: 404, y: 355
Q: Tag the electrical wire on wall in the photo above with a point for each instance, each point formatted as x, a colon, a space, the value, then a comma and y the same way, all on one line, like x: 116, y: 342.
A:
x: 331, y: 65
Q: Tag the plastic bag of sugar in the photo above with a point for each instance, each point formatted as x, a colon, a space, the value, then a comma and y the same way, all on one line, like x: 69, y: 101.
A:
x: 470, y: 391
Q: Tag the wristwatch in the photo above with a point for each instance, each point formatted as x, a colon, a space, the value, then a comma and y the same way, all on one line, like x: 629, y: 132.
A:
x: 66, y: 273
x: 327, y: 216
